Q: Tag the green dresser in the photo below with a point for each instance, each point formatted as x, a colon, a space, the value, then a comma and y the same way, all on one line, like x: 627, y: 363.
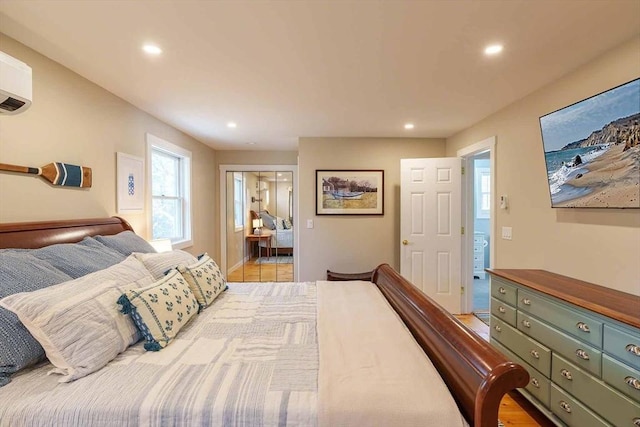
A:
x: 579, y: 342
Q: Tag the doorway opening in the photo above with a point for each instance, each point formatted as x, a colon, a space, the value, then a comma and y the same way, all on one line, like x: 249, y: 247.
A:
x: 479, y: 223
x: 481, y: 168
x: 258, y: 235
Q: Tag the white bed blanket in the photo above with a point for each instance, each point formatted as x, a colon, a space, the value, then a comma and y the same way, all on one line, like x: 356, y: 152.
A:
x: 264, y: 354
x: 372, y: 371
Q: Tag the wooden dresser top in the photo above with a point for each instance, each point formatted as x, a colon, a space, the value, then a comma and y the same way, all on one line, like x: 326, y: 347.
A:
x: 617, y: 305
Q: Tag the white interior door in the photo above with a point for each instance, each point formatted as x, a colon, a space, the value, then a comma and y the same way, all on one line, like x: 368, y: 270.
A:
x: 430, y: 227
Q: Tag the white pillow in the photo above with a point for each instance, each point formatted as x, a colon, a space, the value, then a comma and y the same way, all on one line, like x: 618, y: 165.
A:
x: 161, y: 309
x: 205, y: 279
x: 78, y: 322
x: 160, y: 264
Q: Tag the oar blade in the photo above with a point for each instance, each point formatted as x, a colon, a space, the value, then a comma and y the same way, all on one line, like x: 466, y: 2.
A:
x: 67, y: 175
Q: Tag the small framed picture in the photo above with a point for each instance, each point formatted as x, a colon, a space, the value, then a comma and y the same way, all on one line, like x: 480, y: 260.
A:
x: 130, y: 183
x: 349, y: 192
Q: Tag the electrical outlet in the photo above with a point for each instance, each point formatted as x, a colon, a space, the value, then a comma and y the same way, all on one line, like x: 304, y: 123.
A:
x: 309, y: 223
x: 506, y: 233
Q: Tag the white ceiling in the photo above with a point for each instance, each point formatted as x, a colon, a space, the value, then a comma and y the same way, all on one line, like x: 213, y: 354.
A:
x: 289, y: 69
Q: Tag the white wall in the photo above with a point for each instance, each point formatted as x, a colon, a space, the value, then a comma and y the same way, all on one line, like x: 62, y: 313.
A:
x: 601, y: 246
x: 73, y: 120
x: 351, y: 244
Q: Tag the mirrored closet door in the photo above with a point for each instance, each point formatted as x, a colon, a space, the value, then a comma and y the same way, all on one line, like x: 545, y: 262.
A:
x: 259, y: 226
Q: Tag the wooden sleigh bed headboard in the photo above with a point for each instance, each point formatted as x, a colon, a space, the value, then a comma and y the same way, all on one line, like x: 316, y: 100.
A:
x: 477, y: 375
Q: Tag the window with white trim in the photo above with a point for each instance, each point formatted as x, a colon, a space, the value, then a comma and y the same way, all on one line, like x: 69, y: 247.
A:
x: 170, y: 178
x: 483, y: 193
x: 238, y: 202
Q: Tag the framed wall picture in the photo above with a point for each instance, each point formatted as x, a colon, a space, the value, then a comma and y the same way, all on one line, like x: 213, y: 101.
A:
x: 349, y: 192
x: 130, y: 183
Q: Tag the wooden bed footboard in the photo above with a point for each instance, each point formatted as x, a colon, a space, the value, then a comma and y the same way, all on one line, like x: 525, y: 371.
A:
x: 477, y: 375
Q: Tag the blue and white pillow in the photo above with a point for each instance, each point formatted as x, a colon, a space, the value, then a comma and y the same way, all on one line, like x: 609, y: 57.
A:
x: 78, y: 322
x: 79, y: 259
x: 20, y: 271
x: 205, y: 279
x: 161, y: 309
x: 126, y: 242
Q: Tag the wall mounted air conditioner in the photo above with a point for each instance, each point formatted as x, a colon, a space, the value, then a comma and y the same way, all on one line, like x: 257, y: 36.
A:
x: 15, y: 85
x: 262, y: 185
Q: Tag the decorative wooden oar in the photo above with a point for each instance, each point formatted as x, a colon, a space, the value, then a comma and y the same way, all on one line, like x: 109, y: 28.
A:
x: 57, y: 173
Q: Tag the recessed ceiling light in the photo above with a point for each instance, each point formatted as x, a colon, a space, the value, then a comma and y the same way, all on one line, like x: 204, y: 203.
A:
x: 493, y: 49
x: 251, y: 143
x: 409, y: 126
x: 232, y: 125
x: 152, y: 49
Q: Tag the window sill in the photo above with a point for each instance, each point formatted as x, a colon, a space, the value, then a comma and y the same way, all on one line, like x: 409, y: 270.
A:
x: 181, y: 244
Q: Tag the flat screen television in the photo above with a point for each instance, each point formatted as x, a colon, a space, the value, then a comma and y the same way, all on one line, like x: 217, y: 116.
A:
x: 592, y: 150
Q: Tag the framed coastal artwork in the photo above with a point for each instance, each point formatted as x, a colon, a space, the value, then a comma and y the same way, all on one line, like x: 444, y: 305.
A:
x: 349, y: 192
x: 130, y: 183
x: 592, y: 150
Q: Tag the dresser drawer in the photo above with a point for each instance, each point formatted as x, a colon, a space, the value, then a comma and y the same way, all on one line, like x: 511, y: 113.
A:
x: 621, y: 377
x: 593, y: 393
x: 503, y: 311
x: 571, y: 412
x: 535, y: 354
x: 577, y: 352
x: 574, y: 322
x: 538, y: 385
x: 503, y: 291
x: 623, y: 345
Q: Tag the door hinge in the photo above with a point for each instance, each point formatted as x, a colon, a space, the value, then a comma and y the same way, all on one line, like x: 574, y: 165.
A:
x: 462, y: 230
x: 462, y: 170
x: 462, y: 290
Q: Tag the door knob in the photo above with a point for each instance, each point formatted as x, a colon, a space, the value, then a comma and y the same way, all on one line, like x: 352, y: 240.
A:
x: 405, y: 242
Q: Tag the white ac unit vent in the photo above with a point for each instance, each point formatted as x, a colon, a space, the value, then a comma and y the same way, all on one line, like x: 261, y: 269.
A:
x: 262, y: 185
x: 15, y: 85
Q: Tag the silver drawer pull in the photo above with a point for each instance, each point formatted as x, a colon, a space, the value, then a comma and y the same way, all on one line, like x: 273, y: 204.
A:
x: 583, y: 327
x: 636, y: 422
x: 526, y: 323
x: 582, y: 354
x: 535, y: 354
x: 564, y: 405
x: 566, y: 374
x: 502, y: 290
x: 497, y: 328
x: 526, y: 301
x: 632, y: 382
x: 633, y: 349
x: 535, y: 383
x: 501, y: 309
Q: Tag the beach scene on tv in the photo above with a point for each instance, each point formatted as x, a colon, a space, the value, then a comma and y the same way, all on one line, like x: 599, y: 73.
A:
x: 592, y: 150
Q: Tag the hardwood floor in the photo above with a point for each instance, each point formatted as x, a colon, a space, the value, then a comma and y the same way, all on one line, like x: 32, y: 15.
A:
x: 515, y: 410
x: 252, y: 272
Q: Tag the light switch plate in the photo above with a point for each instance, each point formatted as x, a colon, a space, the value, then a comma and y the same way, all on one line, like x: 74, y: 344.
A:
x: 309, y: 223
x: 506, y: 233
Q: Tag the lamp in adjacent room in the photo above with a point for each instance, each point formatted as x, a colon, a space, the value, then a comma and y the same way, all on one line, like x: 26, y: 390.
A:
x: 257, y: 226
x: 161, y: 245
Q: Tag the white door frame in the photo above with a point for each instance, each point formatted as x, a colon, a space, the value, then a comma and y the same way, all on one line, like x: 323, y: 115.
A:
x: 223, y: 208
x: 468, y: 214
